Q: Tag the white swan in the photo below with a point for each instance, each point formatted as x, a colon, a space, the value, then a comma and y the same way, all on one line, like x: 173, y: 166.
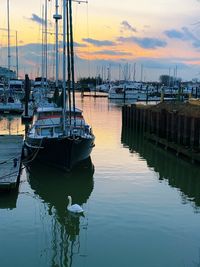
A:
x: 75, y: 208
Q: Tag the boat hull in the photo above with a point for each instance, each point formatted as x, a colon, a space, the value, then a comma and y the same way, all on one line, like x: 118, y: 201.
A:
x: 62, y: 152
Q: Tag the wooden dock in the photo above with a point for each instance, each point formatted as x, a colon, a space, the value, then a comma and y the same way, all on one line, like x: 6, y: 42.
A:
x: 10, y: 160
x: 175, y: 126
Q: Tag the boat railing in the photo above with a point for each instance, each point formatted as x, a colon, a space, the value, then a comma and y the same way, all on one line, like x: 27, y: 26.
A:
x: 55, y: 131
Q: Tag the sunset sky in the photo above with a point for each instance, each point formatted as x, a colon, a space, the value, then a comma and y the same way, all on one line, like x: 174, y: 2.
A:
x: 156, y: 35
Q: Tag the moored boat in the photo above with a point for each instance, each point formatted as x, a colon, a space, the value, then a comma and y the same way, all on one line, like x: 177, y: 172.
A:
x: 47, y: 142
x: 10, y: 105
x: 60, y: 136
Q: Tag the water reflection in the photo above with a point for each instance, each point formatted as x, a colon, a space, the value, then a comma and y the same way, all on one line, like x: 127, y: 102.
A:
x: 11, y: 124
x: 53, y: 187
x: 179, y: 173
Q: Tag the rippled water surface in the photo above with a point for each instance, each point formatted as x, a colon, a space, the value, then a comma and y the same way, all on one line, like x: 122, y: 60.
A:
x: 141, y: 204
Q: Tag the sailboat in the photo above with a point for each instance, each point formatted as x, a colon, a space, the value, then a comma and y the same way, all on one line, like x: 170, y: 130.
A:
x: 60, y: 136
x: 9, y: 103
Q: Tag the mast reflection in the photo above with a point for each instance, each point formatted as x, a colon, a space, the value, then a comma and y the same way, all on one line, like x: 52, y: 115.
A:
x: 53, y: 187
x: 179, y: 173
x: 10, y: 124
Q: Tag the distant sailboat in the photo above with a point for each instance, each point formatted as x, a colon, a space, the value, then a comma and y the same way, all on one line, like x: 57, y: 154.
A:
x: 8, y: 102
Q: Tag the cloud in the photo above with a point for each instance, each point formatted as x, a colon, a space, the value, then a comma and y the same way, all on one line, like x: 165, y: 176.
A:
x: 162, y: 63
x: 125, y: 26
x: 79, y: 45
x: 174, y: 34
x: 113, y: 53
x: 75, y: 44
x: 37, y: 19
x: 184, y: 34
x: 190, y: 36
x: 98, y: 42
x: 146, y: 43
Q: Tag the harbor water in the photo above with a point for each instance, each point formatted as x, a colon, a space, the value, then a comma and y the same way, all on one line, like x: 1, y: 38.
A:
x: 141, y: 203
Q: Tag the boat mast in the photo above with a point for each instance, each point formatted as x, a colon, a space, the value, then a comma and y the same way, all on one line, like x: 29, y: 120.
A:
x: 17, y: 64
x: 70, y: 50
x: 134, y: 72
x: 57, y: 17
x: 8, y: 17
x: 64, y: 67
x: 72, y: 59
x: 45, y: 41
x: 68, y: 63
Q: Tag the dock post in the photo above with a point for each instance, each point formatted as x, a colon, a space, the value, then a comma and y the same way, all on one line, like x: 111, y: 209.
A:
x: 27, y: 115
x: 27, y: 94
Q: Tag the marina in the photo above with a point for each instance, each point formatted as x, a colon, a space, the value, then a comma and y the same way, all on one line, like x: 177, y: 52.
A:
x: 99, y: 134
x: 136, y: 196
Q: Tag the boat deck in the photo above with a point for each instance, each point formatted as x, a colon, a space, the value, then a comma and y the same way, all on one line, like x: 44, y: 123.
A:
x: 10, y: 160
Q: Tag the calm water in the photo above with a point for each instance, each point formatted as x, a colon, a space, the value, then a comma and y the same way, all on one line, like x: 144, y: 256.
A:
x: 142, y: 204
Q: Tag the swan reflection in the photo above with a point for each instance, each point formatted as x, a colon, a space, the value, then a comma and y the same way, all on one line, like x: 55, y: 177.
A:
x: 52, y: 187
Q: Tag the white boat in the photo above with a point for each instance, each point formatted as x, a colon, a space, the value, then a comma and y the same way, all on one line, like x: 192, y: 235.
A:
x: 41, y: 83
x: 103, y: 87
x: 10, y: 105
x: 127, y: 91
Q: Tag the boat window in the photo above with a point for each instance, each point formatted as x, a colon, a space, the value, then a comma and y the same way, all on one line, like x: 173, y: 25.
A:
x: 58, y: 130
x: 37, y: 131
x: 15, y: 86
x: 46, y: 131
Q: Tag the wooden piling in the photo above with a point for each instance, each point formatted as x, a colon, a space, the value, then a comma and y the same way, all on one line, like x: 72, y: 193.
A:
x: 178, y: 132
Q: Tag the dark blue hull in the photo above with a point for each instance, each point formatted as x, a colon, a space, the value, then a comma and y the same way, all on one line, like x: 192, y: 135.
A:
x: 62, y: 152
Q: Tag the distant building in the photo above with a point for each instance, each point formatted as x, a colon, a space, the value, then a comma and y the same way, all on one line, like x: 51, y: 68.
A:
x: 6, y: 74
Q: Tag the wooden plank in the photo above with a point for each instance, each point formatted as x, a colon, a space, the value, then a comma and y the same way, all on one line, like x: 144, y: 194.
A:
x: 10, y: 160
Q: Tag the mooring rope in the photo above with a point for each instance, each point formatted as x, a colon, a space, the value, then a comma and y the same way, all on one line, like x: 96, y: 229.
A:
x: 34, y: 154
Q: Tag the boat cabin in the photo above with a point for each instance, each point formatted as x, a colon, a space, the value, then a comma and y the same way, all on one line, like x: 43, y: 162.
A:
x: 54, y: 112
x: 41, y: 83
x: 16, y: 86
